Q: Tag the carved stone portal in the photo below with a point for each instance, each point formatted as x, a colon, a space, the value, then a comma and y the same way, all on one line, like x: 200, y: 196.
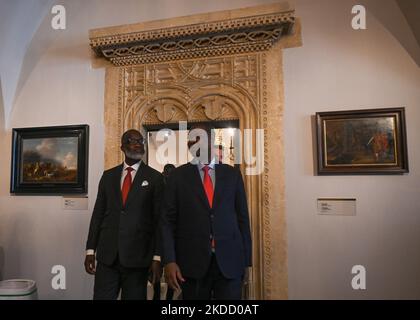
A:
x: 226, y: 68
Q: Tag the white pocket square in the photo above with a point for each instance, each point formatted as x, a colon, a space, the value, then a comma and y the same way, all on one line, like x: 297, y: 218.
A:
x: 144, y: 183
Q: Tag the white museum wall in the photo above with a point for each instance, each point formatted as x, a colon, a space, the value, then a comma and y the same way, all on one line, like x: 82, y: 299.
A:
x: 337, y: 69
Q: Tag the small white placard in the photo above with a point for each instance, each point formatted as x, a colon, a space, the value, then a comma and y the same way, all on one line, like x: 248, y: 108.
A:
x: 337, y: 207
x: 75, y: 203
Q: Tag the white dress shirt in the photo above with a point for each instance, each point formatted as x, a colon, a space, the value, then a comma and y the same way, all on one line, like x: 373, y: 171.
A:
x: 135, y: 168
x: 212, y: 172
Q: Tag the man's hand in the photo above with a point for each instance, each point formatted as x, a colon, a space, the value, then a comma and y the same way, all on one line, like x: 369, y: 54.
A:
x: 156, y: 272
x: 173, y: 275
x: 90, y: 264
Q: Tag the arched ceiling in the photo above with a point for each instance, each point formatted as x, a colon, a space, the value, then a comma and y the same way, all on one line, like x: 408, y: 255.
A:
x: 402, y: 20
x: 20, y: 21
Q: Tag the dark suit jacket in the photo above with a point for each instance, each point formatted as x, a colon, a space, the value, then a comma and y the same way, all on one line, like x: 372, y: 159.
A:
x: 187, y: 222
x: 131, y: 231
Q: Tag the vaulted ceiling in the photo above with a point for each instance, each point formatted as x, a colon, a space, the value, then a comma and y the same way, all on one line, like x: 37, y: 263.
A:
x: 20, y: 20
x: 411, y: 11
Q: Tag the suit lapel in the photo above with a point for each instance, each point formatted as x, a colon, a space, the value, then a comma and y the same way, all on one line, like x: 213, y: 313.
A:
x: 135, y: 186
x: 116, y: 184
x: 220, y: 184
x: 197, y: 184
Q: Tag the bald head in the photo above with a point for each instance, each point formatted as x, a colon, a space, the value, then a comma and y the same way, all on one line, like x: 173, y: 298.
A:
x: 128, y: 134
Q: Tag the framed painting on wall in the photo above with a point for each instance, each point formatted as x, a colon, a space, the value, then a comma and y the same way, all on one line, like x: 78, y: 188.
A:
x: 362, y: 142
x: 50, y: 160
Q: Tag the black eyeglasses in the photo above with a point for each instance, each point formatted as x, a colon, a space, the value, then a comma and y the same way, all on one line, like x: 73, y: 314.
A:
x: 133, y: 141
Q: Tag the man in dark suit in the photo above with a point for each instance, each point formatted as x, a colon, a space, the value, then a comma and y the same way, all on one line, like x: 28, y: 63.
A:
x: 123, y: 229
x: 206, y: 240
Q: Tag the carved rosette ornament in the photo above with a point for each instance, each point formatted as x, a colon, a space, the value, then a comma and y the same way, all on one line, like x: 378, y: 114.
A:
x: 213, y: 108
x: 164, y: 112
x: 211, y: 67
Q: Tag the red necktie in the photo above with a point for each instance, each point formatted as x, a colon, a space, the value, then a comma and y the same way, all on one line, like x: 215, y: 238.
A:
x: 208, y: 185
x: 126, y: 184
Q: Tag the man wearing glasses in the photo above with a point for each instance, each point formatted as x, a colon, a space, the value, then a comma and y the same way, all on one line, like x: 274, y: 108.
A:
x: 123, y: 232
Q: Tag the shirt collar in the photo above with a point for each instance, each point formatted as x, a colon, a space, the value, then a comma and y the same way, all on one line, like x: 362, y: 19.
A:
x: 134, y: 166
x: 211, y: 164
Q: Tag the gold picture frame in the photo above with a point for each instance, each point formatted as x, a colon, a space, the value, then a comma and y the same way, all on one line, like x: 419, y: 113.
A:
x: 369, y: 141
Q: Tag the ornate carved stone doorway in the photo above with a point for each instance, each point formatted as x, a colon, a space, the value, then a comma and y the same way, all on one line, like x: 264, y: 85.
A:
x: 212, y: 67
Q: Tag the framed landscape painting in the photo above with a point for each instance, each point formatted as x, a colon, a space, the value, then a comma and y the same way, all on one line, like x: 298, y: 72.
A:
x: 362, y: 142
x: 50, y: 160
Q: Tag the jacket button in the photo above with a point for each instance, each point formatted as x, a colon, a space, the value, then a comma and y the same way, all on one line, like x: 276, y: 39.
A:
x: 122, y: 211
x: 212, y: 216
